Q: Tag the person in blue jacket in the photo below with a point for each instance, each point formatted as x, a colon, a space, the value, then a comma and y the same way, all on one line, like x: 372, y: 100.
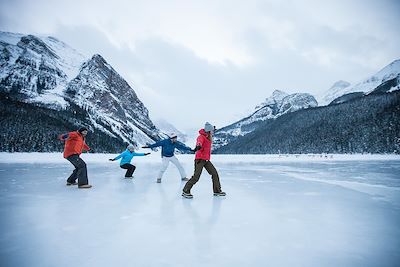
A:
x: 167, y: 154
x: 126, y: 158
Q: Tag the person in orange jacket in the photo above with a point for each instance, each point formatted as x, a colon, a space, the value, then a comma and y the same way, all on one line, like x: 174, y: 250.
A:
x: 74, y: 145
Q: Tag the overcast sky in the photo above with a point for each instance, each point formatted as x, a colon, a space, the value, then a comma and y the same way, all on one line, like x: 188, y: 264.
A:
x: 209, y: 60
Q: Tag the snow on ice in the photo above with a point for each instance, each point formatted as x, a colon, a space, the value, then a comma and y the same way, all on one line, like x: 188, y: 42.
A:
x: 287, y: 210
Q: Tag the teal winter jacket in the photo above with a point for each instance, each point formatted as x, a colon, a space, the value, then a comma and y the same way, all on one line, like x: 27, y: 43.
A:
x: 127, y: 156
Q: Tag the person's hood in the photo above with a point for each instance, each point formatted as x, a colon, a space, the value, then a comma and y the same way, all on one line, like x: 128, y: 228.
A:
x: 202, y: 132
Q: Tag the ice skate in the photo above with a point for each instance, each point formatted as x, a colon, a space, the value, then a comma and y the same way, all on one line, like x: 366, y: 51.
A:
x: 187, y: 195
x: 220, y: 194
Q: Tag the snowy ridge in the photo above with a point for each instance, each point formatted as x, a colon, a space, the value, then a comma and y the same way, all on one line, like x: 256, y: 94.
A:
x: 332, y: 93
x: 70, y: 59
x: 366, y: 86
x: 109, y: 99
x: 39, y: 67
x: 10, y: 38
x: 168, y: 128
x: 45, y: 71
x: 278, y: 104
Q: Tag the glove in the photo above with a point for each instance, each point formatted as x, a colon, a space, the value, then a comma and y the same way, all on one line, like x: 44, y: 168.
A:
x: 147, y: 154
x: 196, y: 148
x: 62, y: 137
x: 145, y: 147
x: 111, y: 159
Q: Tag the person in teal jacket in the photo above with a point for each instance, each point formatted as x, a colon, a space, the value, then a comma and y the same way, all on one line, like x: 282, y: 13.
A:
x: 126, y: 158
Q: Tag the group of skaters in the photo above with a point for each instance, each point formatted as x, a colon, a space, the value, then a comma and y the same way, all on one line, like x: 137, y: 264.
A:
x: 75, y: 144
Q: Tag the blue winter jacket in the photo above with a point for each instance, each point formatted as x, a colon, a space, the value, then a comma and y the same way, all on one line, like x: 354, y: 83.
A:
x: 127, y: 156
x: 168, y: 147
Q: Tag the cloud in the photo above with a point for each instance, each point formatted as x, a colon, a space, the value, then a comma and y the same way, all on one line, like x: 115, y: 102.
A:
x: 193, y: 61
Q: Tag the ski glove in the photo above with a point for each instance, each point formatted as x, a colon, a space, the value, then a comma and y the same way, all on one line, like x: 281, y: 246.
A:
x: 147, y: 154
x: 111, y: 159
x: 196, y: 148
x: 63, y: 137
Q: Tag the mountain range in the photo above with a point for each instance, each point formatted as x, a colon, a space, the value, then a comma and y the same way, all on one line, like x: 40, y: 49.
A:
x: 278, y: 104
x: 44, y: 76
x: 370, y: 107
x: 47, y: 87
x: 389, y: 77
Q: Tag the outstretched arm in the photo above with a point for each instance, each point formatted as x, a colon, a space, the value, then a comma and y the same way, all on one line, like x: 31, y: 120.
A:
x: 140, y: 154
x: 86, y: 147
x: 182, y: 146
x: 118, y: 157
x: 63, y: 137
x: 156, y: 144
x: 70, y: 135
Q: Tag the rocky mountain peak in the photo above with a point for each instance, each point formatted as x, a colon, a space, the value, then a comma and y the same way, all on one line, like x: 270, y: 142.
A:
x: 45, y: 72
x: 35, y: 44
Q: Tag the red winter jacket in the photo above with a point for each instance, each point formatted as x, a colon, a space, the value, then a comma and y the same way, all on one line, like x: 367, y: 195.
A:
x: 205, y: 143
x: 74, y: 144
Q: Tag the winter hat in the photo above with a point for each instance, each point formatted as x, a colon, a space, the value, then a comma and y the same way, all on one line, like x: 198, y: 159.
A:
x: 208, y: 127
x: 172, y: 135
x: 130, y: 147
x: 81, y: 129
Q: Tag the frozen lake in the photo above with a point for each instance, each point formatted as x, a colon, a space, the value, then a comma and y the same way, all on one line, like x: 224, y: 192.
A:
x: 279, y: 211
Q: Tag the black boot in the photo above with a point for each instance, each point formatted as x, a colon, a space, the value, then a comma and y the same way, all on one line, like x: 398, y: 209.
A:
x: 187, y: 195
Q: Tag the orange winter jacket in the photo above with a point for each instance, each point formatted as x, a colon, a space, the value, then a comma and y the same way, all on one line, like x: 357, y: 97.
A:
x: 74, y: 144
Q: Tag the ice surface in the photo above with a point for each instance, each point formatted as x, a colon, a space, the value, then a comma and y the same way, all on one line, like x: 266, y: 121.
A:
x: 279, y: 211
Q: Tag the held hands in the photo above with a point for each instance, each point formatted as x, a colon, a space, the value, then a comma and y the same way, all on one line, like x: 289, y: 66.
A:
x: 196, y: 148
x: 62, y: 137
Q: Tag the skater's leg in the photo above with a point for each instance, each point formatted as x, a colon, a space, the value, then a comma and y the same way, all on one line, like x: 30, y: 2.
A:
x: 72, y: 178
x: 82, y: 172
x: 176, y: 162
x: 128, y: 168
x: 198, y: 168
x: 164, y: 166
x: 131, y: 170
x: 214, y: 176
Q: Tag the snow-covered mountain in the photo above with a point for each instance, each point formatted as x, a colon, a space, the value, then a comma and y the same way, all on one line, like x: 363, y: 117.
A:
x: 332, y: 93
x: 389, y: 75
x: 168, y: 128
x: 46, y: 72
x: 37, y: 69
x: 278, y: 104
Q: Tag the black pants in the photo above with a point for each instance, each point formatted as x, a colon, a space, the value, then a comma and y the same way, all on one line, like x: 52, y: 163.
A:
x: 80, y: 171
x: 129, y: 169
x: 199, y: 164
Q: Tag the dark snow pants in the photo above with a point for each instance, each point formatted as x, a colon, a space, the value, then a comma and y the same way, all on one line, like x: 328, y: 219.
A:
x: 80, y: 171
x: 129, y: 169
x: 199, y: 164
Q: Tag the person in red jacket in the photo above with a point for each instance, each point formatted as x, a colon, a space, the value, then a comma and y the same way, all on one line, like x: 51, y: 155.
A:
x: 74, y: 145
x: 202, y: 160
